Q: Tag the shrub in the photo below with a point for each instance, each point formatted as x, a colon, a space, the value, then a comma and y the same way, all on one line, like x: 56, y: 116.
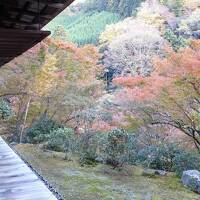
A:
x: 113, y: 148
x: 61, y: 139
x: 40, y: 129
x: 176, y: 42
x: 185, y: 161
x: 87, y: 158
x: 168, y: 157
x: 116, y: 148
x: 5, y: 110
x: 132, y: 147
x: 157, y: 157
x: 90, y: 146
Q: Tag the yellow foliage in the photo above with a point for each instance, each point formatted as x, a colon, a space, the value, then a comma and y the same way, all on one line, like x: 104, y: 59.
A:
x: 154, y: 13
x: 45, y: 77
x: 191, y: 4
x: 113, y: 31
x: 152, y: 19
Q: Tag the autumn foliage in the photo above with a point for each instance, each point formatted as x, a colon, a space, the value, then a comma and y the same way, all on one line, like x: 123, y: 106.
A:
x: 171, y: 94
x: 183, y: 66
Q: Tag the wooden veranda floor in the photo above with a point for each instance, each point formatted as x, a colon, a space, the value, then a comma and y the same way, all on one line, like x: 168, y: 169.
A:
x: 17, y: 180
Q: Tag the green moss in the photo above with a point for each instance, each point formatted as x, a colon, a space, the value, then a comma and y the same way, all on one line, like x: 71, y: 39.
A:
x: 101, y: 182
x: 137, y: 171
x: 171, y: 182
x: 98, y: 192
x: 157, y: 198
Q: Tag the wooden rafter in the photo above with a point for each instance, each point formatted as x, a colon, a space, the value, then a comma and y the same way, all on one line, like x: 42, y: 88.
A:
x: 13, y: 13
x: 11, y: 47
x: 21, y: 21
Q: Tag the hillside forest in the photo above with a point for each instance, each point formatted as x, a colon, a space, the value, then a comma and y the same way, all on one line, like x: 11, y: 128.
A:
x: 117, y: 82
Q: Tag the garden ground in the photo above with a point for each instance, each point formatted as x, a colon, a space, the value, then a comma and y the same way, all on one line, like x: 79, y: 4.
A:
x: 101, y: 182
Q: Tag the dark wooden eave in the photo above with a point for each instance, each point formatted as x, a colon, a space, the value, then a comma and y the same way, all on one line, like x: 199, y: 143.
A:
x: 15, y: 42
x: 21, y: 22
x: 29, y: 14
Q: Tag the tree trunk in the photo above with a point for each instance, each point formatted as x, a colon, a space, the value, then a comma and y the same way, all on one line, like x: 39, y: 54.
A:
x: 25, y: 118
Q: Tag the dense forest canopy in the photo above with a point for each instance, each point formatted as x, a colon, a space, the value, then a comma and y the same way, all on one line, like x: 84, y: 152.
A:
x: 117, y: 82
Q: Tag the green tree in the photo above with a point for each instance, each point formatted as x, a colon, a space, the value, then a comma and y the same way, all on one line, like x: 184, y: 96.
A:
x: 116, y: 148
x: 5, y: 110
x: 177, y: 42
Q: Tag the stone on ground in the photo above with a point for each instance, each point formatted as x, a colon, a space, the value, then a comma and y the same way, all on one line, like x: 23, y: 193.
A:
x: 191, y: 179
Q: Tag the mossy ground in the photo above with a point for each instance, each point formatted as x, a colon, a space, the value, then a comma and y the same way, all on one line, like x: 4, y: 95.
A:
x: 100, y: 182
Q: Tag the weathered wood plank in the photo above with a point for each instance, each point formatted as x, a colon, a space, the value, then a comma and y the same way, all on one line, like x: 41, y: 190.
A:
x: 17, y: 180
